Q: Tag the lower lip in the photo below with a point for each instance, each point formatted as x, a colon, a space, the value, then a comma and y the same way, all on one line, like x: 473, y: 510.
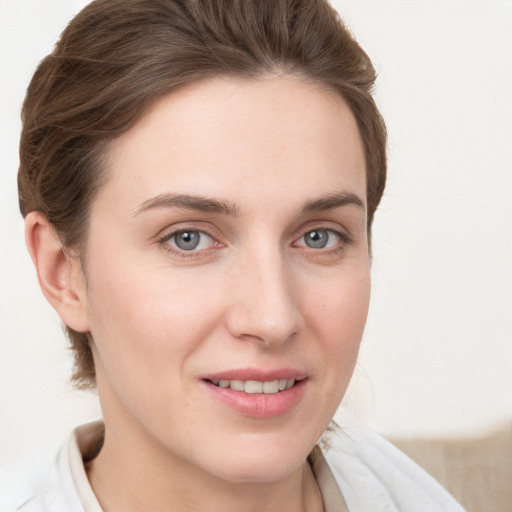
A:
x: 260, y: 405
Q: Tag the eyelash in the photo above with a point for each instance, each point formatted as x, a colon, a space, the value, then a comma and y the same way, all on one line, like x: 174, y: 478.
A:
x: 344, y: 240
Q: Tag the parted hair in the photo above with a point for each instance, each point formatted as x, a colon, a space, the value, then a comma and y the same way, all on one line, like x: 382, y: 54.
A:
x: 116, y: 58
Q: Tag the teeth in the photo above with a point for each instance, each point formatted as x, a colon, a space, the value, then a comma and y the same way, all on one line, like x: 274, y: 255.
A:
x: 237, y: 385
x: 255, y: 386
x: 271, y: 386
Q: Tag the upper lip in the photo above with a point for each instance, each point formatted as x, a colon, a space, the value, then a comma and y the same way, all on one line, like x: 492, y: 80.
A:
x: 257, y: 374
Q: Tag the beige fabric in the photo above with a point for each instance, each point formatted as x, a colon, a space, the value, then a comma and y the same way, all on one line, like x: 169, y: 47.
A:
x: 331, y: 494
x: 476, y: 471
x: 84, y: 444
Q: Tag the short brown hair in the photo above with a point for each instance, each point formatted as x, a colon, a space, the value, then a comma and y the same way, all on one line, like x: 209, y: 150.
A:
x: 116, y: 58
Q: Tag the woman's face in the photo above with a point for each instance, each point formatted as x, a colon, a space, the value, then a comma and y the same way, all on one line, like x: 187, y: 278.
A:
x: 227, y: 259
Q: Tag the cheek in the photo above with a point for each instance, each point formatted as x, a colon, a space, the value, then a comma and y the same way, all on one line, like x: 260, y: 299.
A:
x: 148, y: 320
x: 339, y: 317
x: 336, y: 317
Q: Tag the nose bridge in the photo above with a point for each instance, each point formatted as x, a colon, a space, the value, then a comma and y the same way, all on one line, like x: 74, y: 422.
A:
x: 265, y: 304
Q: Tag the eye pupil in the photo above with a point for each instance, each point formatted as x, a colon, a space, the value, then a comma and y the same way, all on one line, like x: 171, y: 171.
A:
x: 316, y: 239
x: 187, y: 240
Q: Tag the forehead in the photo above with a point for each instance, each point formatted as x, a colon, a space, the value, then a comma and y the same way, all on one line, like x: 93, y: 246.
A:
x: 238, y: 139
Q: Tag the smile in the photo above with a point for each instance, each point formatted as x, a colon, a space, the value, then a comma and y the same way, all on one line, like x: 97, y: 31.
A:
x: 254, y: 393
x: 254, y: 386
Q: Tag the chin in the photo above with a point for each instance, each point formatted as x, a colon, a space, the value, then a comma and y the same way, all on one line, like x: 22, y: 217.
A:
x: 263, y: 458
x: 247, y: 470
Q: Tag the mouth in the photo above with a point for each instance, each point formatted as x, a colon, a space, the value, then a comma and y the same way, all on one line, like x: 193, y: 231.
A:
x: 256, y: 393
x: 267, y: 387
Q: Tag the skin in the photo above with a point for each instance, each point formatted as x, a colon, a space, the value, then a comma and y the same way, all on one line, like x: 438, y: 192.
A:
x: 252, y: 295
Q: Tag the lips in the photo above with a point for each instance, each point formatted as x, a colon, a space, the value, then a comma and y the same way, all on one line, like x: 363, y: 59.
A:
x: 258, y: 393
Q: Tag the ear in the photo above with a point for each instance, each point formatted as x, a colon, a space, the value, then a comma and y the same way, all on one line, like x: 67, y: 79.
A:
x: 60, y: 275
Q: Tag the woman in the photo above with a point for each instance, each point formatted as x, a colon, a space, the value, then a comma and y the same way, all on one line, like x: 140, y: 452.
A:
x: 199, y: 181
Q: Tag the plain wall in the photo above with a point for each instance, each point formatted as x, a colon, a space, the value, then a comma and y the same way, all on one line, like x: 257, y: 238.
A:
x: 436, y: 357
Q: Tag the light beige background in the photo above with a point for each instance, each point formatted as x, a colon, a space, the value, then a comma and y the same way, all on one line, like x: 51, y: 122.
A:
x: 437, y: 353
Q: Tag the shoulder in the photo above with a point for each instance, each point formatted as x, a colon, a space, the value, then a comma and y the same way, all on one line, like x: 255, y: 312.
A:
x: 39, y: 483
x: 375, y: 476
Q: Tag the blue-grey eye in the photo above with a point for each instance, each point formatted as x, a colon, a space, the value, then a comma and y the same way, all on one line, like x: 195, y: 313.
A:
x: 187, y: 240
x: 320, y: 238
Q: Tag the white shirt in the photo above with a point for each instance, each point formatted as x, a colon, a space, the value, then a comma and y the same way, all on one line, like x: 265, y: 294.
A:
x: 356, y: 470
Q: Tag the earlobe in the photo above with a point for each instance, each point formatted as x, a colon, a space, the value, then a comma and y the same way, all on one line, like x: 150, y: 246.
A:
x: 60, y: 276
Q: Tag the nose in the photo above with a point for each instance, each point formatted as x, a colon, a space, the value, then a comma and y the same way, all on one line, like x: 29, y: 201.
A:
x: 263, y: 301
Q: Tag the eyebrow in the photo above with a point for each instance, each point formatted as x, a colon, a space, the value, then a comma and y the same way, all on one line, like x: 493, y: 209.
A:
x: 190, y: 202
x: 211, y: 205
x: 332, y: 201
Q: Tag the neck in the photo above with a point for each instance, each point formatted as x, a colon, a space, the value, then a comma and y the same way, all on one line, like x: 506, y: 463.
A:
x: 133, y: 476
